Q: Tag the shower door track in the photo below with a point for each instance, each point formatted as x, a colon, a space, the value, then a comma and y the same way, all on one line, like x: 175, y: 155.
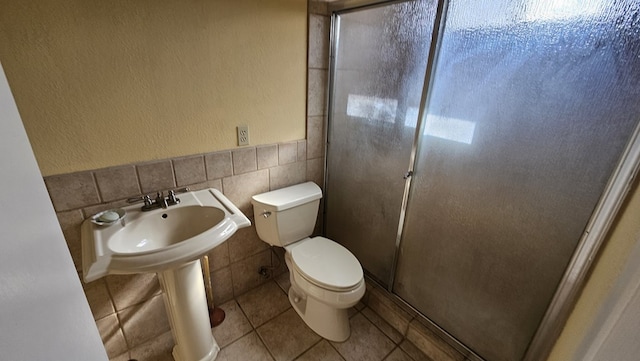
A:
x: 574, y: 277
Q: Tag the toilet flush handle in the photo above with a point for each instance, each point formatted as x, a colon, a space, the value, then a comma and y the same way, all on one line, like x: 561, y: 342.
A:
x: 266, y: 214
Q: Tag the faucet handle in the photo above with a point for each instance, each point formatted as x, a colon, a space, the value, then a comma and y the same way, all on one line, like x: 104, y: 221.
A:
x: 172, y: 199
x: 146, y: 199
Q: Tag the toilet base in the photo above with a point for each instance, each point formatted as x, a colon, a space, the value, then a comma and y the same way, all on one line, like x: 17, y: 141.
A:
x: 328, y: 322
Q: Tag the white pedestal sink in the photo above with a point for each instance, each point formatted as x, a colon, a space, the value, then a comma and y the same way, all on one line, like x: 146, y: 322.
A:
x: 169, y: 242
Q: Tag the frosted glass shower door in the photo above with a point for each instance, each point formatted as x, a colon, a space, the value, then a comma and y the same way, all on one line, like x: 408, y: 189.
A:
x: 378, y: 76
x: 531, y: 107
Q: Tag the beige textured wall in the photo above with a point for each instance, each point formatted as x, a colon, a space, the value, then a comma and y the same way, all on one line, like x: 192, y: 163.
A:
x: 102, y: 83
x: 622, y: 237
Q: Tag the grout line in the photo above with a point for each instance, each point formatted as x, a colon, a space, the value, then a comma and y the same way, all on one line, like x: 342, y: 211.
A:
x: 97, y: 187
x: 335, y: 349
x: 251, y: 329
x: 264, y: 344
x: 118, y: 317
x: 138, y: 178
x: 307, y: 349
x: 172, y: 161
x: 389, y: 353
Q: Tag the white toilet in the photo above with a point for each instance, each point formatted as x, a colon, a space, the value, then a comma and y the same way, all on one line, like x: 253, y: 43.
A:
x: 326, y: 279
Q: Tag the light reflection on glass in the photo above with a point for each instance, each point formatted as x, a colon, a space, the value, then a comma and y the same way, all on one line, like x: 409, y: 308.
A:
x: 498, y: 14
x: 372, y: 108
x: 384, y: 109
x: 454, y: 129
x: 562, y: 9
x: 457, y: 130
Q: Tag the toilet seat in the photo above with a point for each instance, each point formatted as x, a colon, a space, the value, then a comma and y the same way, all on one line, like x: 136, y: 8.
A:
x: 326, y: 264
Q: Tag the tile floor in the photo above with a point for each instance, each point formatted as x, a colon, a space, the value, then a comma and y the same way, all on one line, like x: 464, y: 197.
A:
x: 262, y: 325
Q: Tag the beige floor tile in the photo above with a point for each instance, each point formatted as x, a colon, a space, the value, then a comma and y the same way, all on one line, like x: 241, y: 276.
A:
x: 287, y: 336
x: 431, y: 344
x: 260, y: 325
x: 248, y: 348
x: 145, y: 321
x: 386, y: 328
x: 411, y: 350
x: 129, y: 290
x: 263, y: 303
x: 283, y: 281
x: 123, y: 357
x: 398, y: 355
x: 158, y: 349
x: 112, y: 337
x: 388, y: 310
x: 235, y: 324
x: 322, y: 351
x: 98, y: 298
x: 366, y: 343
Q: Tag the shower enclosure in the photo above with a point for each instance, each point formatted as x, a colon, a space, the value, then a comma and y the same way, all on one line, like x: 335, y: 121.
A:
x: 476, y: 153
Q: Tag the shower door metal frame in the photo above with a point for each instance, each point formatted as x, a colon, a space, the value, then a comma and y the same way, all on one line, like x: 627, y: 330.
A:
x: 345, y: 6
x: 607, y: 208
x: 593, y: 237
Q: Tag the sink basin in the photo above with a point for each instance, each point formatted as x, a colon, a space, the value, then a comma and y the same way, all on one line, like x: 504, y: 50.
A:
x: 165, y: 229
x: 160, y: 239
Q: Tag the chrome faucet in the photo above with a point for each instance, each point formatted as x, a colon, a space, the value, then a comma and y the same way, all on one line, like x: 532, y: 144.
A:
x: 172, y: 199
x: 160, y: 201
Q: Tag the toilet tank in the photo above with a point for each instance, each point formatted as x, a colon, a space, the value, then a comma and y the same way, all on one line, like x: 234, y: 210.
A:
x: 288, y: 214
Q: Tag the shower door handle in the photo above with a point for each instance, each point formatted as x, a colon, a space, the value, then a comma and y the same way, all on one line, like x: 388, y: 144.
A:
x: 408, y: 174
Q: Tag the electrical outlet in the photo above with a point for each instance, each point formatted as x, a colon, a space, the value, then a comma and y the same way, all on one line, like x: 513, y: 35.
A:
x: 243, y: 134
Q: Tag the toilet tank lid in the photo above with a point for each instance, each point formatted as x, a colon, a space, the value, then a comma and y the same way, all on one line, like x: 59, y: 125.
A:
x: 288, y: 197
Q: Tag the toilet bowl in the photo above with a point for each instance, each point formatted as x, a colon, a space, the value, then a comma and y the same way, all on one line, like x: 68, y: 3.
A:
x: 326, y: 278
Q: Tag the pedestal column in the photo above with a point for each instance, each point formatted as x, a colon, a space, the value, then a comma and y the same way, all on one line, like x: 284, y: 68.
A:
x: 186, y: 304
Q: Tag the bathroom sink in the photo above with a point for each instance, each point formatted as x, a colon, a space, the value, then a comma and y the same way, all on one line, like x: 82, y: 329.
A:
x: 160, y: 239
x: 170, y: 242
x: 164, y: 229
